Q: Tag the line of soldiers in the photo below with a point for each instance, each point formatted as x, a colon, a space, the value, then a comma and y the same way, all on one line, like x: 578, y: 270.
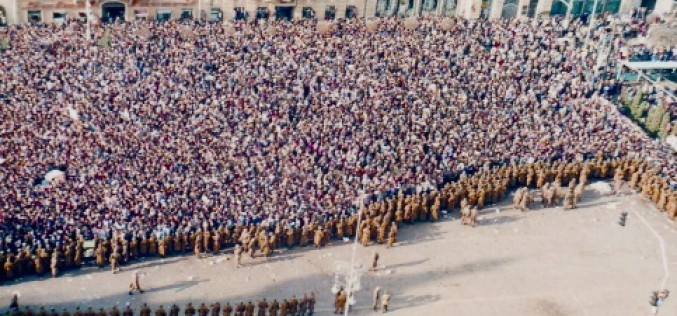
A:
x: 379, y: 219
x: 286, y: 307
x: 635, y: 173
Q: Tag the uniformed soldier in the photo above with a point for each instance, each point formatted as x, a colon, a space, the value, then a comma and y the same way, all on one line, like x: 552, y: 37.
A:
x: 381, y: 233
x: 203, y: 310
x: 65, y: 312
x: 239, y: 309
x: 274, y: 308
x: 249, y: 309
x: 311, y: 303
x: 263, y: 307
x: 99, y: 256
x: 160, y: 311
x: 101, y: 312
x: 340, y: 303
x: 55, y: 264
x: 115, y: 262
x: 303, y: 242
x: 189, y: 310
x: 78, y: 312
x: 174, y: 310
x: 152, y: 246
x: 216, y: 242
x: 238, y: 256
x: 114, y: 311
x: 216, y: 309
x: 284, y: 307
x: 366, y: 236
x: 127, y: 312
x: 374, y: 261
x: 385, y: 301
x: 162, y: 248
x: 303, y: 305
x: 318, y: 237
x: 227, y: 309
x: 143, y: 247
x: 145, y: 310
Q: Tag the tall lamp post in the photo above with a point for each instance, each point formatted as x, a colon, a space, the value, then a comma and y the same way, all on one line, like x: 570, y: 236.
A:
x: 353, y: 281
x: 352, y: 278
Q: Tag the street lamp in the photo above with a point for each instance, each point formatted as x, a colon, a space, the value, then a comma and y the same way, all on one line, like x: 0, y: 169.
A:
x: 353, y: 281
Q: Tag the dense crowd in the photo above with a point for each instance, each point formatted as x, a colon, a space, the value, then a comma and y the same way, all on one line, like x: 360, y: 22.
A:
x: 176, y: 130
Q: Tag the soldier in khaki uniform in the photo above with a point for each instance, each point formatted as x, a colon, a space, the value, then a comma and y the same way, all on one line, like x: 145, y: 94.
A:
x: 160, y: 311
x: 274, y: 308
x: 115, y: 262
x: 263, y: 307
x: 174, y: 310
x: 227, y: 309
x: 319, y: 236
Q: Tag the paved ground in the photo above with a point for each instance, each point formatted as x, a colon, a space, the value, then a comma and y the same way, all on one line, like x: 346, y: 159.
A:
x: 541, y: 262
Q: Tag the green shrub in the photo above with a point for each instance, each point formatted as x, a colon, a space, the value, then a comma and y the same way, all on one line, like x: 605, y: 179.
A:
x: 665, y: 124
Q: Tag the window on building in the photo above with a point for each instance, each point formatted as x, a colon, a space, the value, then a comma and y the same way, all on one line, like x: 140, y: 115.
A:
x: 3, y: 17
x: 164, y: 15
x: 581, y: 7
x: 34, y: 16
x: 532, y: 8
x: 59, y: 17
x: 241, y: 13
x: 351, y: 12
x: 262, y: 13
x: 308, y: 13
x: 187, y: 14
x: 215, y: 15
x: 330, y: 13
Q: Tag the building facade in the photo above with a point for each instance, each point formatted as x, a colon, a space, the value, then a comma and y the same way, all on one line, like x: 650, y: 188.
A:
x: 48, y: 11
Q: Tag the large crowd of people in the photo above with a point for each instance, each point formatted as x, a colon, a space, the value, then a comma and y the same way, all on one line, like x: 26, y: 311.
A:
x: 190, y: 135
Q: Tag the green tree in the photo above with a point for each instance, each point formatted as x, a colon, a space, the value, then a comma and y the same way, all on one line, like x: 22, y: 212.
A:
x: 655, y: 118
x: 638, y: 111
x: 665, y: 124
